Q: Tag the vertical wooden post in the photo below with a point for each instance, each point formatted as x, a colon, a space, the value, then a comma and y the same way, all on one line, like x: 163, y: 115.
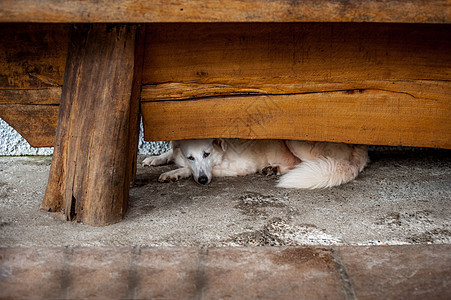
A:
x: 96, y: 142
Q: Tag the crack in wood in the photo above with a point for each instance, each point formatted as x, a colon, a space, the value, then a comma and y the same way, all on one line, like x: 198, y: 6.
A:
x: 251, y: 94
x: 72, y: 212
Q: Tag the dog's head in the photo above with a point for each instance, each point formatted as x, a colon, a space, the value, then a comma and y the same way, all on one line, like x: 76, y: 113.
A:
x: 201, y: 156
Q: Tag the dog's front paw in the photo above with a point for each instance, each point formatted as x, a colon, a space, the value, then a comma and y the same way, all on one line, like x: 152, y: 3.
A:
x: 168, y: 178
x: 153, y: 161
x: 174, y: 175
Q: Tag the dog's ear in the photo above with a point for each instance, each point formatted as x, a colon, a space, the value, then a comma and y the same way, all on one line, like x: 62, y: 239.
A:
x: 175, y: 144
x: 220, y: 143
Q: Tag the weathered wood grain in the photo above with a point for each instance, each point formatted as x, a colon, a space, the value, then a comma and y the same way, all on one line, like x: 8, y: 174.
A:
x: 304, y: 54
x: 32, y: 63
x: 94, y: 147
x: 221, y: 69
x: 195, y: 61
x: 135, y: 113
x: 31, y: 96
x: 361, y: 116
x: 32, y: 56
x: 425, y: 89
x: 36, y: 123
x: 137, y: 11
x: 33, y: 113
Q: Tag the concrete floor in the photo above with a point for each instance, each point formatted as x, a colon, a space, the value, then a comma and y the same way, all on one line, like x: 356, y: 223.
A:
x: 402, y: 197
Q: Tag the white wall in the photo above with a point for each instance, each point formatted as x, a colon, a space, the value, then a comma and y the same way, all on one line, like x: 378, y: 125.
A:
x: 12, y: 143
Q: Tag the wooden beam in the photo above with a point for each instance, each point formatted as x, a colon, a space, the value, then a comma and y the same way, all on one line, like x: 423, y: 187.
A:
x: 32, y: 112
x: 361, y: 116
x: 268, y: 55
x: 195, y: 61
x: 32, y: 63
x: 33, y: 56
x: 48, y: 96
x: 137, y: 11
x: 36, y: 123
x: 95, y: 144
x: 208, y: 80
x: 426, y: 89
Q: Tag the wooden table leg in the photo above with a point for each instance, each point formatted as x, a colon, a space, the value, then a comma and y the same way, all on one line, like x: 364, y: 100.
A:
x: 96, y: 142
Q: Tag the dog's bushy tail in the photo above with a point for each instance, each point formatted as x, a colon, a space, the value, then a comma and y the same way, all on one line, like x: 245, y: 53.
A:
x: 323, y: 172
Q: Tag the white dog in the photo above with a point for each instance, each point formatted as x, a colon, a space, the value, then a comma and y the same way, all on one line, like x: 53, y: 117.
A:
x: 304, y: 165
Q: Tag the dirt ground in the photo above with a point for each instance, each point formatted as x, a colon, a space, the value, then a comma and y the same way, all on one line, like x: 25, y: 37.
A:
x: 402, y: 197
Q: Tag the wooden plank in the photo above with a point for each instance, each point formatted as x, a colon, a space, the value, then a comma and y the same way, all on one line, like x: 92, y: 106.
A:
x: 33, y: 56
x: 31, y: 96
x: 258, y: 56
x: 191, y: 61
x: 137, y: 11
x: 33, y: 113
x: 392, y: 65
x: 36, y: 123
x: 32, y: 63
x: 91, y: 167
x: 362, y: 116
x: 426, y: 89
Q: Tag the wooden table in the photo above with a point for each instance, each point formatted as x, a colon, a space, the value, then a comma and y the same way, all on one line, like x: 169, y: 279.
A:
x: 75, y: 74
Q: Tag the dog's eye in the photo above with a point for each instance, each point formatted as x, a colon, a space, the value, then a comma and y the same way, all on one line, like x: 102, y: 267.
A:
x: 206, y: 154
x: 190, y: 157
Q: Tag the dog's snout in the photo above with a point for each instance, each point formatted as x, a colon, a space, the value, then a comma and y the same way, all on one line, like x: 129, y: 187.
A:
x: 202, y: 179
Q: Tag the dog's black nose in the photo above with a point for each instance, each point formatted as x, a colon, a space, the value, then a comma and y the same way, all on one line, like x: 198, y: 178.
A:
x: 202, y: 179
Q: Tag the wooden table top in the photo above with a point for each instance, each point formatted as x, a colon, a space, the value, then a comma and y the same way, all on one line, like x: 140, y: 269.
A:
x: 138, y: 11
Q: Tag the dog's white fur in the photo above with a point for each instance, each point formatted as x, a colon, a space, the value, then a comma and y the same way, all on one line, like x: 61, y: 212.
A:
x: 304, y: 165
